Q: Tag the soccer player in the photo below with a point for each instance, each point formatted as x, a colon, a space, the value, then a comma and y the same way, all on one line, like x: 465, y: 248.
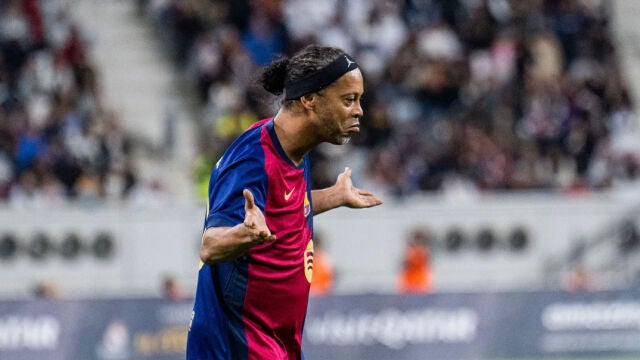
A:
x: 257, y: 247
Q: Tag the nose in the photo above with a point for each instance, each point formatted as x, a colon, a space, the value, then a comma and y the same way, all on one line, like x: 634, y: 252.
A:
x: 358, y: 110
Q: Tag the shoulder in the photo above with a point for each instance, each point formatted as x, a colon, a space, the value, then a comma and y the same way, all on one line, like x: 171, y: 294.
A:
x: 246, y: 149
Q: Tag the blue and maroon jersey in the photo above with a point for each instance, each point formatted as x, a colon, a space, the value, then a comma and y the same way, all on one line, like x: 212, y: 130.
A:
x: 254, y: 308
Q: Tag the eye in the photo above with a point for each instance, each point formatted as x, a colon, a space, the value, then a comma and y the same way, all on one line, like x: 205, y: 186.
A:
x: 349, y: 100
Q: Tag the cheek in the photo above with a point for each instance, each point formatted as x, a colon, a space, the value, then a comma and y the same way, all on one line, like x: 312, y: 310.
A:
x: 335, y: 116
x: 331, y: 115
x: 341, y: 116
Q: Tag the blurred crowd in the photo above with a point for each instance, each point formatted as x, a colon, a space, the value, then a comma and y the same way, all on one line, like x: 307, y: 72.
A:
x: 57, y: 141
x: 459, y: 94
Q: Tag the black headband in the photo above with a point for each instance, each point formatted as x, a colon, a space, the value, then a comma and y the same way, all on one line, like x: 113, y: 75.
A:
x: 321, y: 78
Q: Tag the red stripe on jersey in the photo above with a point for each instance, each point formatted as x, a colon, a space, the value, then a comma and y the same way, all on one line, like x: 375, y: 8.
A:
x: 277, y: 288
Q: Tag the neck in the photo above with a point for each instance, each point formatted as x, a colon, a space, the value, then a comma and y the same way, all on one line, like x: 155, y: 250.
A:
x: 294, y: 134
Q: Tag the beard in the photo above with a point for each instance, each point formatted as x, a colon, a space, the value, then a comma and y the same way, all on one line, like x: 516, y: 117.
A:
x: 344, y: 140
x: 332, y: 131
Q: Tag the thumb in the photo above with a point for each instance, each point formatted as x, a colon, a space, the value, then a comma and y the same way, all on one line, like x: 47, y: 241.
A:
x: 248, y: 199
x: 345, y: 175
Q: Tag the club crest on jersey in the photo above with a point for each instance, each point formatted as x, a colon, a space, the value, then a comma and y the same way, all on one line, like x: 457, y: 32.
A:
x: 307, y: 205
x: 308, y: 261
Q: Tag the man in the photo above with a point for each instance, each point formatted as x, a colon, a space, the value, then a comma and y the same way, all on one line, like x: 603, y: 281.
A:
x: 257, y: 247
x: 416, y: 274
x: 322, y: 268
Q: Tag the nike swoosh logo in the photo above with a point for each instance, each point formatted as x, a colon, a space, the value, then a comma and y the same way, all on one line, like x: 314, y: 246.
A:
x: 288, y: 195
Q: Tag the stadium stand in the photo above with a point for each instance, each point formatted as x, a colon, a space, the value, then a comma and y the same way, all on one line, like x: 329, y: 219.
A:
x: 462, y: 96
x: 472, y: 95
x: 57, y: 140
x: 506, y: 129
x: 79, y: 121
x: 463, y: 99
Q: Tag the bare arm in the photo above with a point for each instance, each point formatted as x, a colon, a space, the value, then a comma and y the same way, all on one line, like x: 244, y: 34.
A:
x: 226, y: 243
x: 342, y: 193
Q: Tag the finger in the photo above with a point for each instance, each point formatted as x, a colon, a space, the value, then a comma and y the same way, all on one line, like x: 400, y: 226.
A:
x: 248, y: 199
x: 264, y: 237
x: 364, y: 192
x: 371, y: 200
x: 269, y: 237
x: 376, y: 201
x: 347, y: 171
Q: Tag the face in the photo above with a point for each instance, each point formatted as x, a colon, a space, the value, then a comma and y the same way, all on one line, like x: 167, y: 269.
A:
x: 339, y: 109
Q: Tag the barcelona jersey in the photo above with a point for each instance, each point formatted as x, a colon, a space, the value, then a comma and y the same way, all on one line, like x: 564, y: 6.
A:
x: 253, y: 308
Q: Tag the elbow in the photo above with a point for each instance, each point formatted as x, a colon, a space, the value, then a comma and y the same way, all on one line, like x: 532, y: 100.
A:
x: 205, y: 255
x: 207, y: 252
x: 218, y: 246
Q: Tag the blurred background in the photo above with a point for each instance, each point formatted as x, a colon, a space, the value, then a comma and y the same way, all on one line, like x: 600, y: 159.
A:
x: 503, y: 136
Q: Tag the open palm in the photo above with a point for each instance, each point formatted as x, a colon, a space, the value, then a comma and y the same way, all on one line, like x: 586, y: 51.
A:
x: 254, y: 220
x: 354, y: 197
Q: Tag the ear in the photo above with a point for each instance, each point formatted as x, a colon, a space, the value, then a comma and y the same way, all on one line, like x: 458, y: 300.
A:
x: 309, y: 101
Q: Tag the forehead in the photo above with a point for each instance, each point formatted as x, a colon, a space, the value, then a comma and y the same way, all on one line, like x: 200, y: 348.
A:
x: 351, y: 82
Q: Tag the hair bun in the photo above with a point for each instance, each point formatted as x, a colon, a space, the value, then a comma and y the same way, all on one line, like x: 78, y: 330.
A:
x: 274, y: 75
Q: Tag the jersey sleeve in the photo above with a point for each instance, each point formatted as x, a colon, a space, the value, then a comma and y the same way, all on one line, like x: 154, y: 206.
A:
x: 228, y: 180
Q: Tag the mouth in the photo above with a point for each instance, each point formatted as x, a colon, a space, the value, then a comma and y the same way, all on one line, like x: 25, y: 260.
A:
x: 354, y: 128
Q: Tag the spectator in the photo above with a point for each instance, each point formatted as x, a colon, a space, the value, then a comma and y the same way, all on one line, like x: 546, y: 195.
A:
x: 56, y: 140
x: 415, y: 275
x: 322, y: 280
x: 578, y: 279
x: 495, y: 95
x: 46, y: 290
x: 171, y: 289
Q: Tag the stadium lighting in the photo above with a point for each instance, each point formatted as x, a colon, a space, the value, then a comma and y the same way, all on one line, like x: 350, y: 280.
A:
x: 39, y: 246
x: 103, y: 246
x: 485, y: 239
x: 629, y: 238
x: 454, y: 240
x: 8, y: 246
x: 71, y: 246
x: 518, y: 239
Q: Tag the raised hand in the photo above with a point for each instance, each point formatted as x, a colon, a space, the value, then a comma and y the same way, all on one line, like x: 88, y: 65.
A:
x: 254, y: 220
x: 352, y: 196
